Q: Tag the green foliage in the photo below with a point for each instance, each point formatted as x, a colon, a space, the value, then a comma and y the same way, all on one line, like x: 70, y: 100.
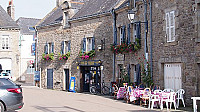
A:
x: 64, y: 56
x: 146, y: 74
x: 48, y: 56
x: 87, y: 55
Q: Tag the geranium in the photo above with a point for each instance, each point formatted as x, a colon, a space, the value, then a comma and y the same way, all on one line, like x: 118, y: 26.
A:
x: 64, y: 56
x: 84, y: 55
x: 48, y: 56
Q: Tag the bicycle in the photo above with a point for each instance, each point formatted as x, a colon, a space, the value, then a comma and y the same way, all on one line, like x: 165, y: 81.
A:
x: 95, y: 89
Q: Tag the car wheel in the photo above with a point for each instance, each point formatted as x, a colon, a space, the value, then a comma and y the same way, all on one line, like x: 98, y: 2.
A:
x: 1, y: 107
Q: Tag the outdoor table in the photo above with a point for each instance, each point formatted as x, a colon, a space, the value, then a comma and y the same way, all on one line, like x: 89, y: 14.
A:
x: 121, y: 92
x: 194, y: 103
x: 137, y: 93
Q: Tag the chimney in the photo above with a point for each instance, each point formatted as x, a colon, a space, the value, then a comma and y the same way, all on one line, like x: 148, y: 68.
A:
x: 11, y: 9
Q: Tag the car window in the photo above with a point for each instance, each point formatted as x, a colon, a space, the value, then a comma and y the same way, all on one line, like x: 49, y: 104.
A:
x: 5, y: 74
x: 6, y: 82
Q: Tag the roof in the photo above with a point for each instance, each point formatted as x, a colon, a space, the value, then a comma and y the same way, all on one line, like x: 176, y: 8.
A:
x: 90, y: 8
x: 56, y: 15
x: 96, y: 6
x: 6, y: 21
x: 26, y: 24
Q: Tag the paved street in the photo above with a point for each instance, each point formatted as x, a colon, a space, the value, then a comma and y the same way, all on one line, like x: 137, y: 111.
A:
x: 43, y: 100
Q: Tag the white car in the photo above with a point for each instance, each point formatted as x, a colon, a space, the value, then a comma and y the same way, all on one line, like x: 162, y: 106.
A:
x: 5, y: 75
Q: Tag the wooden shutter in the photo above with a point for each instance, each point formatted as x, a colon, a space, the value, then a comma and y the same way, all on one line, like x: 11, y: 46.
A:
x: 69, y: 46
x: 138, y: 74
x: 52, y: 47
x: 167, y: 27
x: 93, y: 43
x: 46, y: 48
x: 129, y: 34
x: 129, y: 72
x: 172, y: 25
x: 62, y: 47
x: 138, y: 31
x: 84, y: 44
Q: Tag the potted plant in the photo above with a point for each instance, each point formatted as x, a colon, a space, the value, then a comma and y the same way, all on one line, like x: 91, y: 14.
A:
x: 48, y: 56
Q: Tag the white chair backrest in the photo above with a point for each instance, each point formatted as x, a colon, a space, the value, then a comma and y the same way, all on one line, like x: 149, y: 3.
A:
x: 168, y: 90
x: 172, y: 96
x: 157, y: 91
x: 180, y: 93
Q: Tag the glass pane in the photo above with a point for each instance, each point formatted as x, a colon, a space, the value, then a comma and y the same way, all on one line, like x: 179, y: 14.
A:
x: 168, y: 34
x: 172, y: 34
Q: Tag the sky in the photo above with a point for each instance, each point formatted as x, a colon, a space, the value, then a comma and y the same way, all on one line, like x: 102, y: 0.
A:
x: 30, y: 8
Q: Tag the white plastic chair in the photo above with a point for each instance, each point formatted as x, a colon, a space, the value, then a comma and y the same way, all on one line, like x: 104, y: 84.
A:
x: 153, y: 99
x: 180, y: 94
x: 168, y: 90
x: 157, y: 91
x: 169, y: 98
x: 172, y: 99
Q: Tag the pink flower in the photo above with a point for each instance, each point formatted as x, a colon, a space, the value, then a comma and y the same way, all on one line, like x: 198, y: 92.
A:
x: 60, y: 58
x: 86, y: 57
x: 64, y: 57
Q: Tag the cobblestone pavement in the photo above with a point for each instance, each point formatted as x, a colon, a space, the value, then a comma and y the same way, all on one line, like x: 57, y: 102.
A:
x: 43, y: 100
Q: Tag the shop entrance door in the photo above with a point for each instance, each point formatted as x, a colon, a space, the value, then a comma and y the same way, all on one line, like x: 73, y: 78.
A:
x: 91, y: 76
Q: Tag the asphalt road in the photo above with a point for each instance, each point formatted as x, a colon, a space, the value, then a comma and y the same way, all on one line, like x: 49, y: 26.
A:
x: 43, y: 100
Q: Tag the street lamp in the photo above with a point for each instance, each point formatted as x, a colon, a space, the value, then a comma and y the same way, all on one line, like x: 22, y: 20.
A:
x: 131, y: 15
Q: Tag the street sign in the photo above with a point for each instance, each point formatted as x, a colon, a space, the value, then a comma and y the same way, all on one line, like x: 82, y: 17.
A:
x: 72, y: 84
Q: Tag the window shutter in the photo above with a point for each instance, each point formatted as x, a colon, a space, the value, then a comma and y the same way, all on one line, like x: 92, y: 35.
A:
x: 46, y: 49
x: 138, y: 74
x: 69, y: 46
x: 172, y: 25
x: 138, y: 32
x: 167, y: 27
x: 123, y: 34
x: 62, y: 47
x: 84, y: 44
x: 129, y: 70
x: 52, y: 47
x: 93, y: 43
x: 129, y: 34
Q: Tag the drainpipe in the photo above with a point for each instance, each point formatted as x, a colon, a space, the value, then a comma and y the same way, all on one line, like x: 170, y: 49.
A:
x: 146, y: 31
x: 151, y: 38
x: 114, y: 40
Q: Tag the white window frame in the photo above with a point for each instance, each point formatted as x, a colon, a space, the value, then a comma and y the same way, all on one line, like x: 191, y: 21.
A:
x: 5, y: 42
x: 49, y: 48
x: 66, y: 47
x: 170, y: 26
x: 120, y: 35
x: 88, y: 44
x: 134, y: 36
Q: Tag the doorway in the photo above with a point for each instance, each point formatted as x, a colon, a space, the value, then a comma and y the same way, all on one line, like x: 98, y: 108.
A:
x: 49, y: 78
x: 90, y: 76
x: 66, y: 79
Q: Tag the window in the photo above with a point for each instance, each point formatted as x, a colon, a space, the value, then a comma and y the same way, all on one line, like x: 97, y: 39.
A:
x: 30, y: 68
x: 88, y: 44
x: 121, y: 35
x: 5, y: 42
x: 170, y: 26
x: 65, y: 47
x: 134, y: 32
x: 50, y: 47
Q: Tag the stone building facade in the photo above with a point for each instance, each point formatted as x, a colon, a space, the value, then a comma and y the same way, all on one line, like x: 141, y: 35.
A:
x: 9, y: 45
x: 175, y: 45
